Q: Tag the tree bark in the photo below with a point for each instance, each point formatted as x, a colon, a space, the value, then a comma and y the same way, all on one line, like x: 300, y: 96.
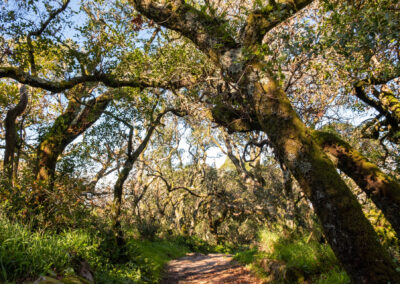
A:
x: 349, y: 233
x: 11, y: 133
x: 68, y: 126
x: 383, y: 190
x: 128, y: 165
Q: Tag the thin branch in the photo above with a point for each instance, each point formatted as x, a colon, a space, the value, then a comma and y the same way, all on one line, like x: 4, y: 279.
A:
x: 39, y: 31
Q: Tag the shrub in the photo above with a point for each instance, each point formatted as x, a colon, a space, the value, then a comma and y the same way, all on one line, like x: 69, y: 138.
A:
x: 148, y: 229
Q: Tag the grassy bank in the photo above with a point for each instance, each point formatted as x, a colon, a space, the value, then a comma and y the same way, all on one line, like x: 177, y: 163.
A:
x: 292, y: 259
x: 26, y: 255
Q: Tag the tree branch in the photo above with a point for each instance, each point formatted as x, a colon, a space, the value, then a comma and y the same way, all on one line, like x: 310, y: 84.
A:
x: 262, y: 21
x: 39, y: 31
x: 210, y: 34
x: 108, y: 80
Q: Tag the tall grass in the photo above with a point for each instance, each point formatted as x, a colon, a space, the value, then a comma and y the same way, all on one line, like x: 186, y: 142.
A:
x: 285, y: 258
x: 25, y: 255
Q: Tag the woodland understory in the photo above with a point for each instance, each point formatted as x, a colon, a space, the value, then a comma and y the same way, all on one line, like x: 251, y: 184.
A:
x: 135, y: 131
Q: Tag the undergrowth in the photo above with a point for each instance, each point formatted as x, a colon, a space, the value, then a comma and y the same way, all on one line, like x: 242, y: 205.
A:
x: 26, y: 255
x: 278, y: 258
x: 281, y: 258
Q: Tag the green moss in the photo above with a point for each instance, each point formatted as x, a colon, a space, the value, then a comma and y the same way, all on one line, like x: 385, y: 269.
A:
x: 333, y: 277
x: 322, y: 137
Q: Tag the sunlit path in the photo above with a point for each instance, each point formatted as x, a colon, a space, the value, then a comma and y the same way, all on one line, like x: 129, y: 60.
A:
x: 211, y: 268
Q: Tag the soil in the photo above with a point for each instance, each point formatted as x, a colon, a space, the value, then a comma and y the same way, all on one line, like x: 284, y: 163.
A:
x: 212, y: 268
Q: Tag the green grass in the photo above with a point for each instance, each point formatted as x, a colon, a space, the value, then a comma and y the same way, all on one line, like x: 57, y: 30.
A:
x: 25, y: 255
x: 155, y: 254
x: 246, y: 256
x: 310, y: 258
x: 301, y: 259
x: 333, y: 277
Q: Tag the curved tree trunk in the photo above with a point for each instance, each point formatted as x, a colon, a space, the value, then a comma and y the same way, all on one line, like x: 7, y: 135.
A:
x: 381, y: 188
x: 11, y: 133
x: 68, y: 126
x: 128, y: 165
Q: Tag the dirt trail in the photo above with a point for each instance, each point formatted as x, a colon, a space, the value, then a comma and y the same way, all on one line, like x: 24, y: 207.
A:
x: 213, y: 268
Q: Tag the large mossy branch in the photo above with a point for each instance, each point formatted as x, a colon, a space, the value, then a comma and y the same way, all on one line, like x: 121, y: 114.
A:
x: 263, y: 20
x: 208, y: 33
x: 211, y: 34
x: 390, y: 103
x: 108, y: 80
x: 380, y: 187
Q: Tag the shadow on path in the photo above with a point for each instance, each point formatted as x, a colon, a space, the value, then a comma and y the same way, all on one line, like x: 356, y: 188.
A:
x: 213, y: 268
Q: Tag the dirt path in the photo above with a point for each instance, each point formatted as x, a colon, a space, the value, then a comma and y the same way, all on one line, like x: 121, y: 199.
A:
x: 213, y: 268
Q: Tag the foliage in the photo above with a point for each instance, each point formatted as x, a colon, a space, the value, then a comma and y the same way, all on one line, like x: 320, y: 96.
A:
x: 291, y: 258
x: 195, y: 244
x: 148, y: 229
x: 66, y: 208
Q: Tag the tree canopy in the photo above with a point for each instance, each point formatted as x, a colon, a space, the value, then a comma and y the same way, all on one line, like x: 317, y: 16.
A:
x: 206, y: 118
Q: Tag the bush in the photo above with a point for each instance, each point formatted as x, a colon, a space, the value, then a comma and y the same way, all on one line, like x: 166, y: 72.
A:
x: 194, y: 244
x: 37, y: 207
x: 148, y: 229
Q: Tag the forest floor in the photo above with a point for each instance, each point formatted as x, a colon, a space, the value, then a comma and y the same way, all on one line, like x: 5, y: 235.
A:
x: 212, y: 268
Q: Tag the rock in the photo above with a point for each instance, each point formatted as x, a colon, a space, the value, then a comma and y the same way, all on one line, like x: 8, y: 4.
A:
x: 85, y: 271
x: 81, y: 267
x: 278, y: 271
x: 275, y: 268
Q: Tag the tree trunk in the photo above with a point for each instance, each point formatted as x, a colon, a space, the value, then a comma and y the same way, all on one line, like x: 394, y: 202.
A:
x: 381, y: 188
x: 11, y: 133
x: 119, y: 185
x: 68, y: 126
x: 290, y: 206
x: 215, y: 222
x: 349, y: 233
